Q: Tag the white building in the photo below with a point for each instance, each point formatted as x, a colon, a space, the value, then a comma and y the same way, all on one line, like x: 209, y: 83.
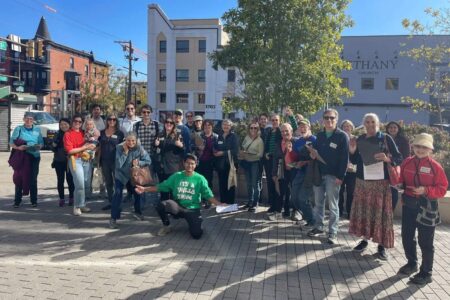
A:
x: 180, y: 75
x: 381, y: 75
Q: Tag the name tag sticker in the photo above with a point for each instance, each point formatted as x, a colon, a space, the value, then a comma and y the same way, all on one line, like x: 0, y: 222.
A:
x: 114, y: 136
x: 425, y: 170
x: 161, y: 139
x: 220, y: 142
x: 333, y: 145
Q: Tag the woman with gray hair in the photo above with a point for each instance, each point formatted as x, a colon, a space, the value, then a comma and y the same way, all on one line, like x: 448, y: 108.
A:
x: 227, y: 141
x: 348, y: 184
x: 371, y: 215
x: 128, y: 154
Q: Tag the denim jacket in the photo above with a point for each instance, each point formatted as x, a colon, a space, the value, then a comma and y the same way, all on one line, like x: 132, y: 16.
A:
x: 124, y: 161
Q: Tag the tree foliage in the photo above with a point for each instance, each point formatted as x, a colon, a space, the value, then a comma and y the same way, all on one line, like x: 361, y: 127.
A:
x: 285, y: 53
x: 436, y: 60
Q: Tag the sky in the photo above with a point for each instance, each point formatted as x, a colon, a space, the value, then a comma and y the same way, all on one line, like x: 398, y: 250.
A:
x: 95, y: 24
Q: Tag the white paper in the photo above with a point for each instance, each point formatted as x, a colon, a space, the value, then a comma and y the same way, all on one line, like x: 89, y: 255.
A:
x: 374, y: 171
x: 227, y: 208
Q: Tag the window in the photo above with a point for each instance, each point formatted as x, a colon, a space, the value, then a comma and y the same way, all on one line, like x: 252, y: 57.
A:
x: 201, y: 75
x: 162, y: 46
x: 44, y: 78
x: 231, y: 75
x: 344, y: 83
x: 95, y: 72
x: 162, y: 74
x: 183, y: 46
x: 182, y: 75
x: 72, y: 64
x: 367, y: 83
x: 2, y: 56
x: 162, y: 97
x: 201, y: 46
x: 182, y: 98
x: 391, y: 83
x: 201, y: 98
x: 445, y: 82
x: 86, y: 70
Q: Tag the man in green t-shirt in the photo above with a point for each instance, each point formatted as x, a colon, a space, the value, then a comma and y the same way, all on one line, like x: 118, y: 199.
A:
x: 188, y: 188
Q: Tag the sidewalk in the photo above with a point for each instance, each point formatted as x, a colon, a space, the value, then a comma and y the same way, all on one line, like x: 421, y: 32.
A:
x: 46, y: 253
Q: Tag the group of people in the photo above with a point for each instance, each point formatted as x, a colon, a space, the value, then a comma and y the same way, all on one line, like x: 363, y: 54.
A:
x: 304, y: 172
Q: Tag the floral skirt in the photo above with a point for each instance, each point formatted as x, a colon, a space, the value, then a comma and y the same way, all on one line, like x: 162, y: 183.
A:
x: 371, y: 215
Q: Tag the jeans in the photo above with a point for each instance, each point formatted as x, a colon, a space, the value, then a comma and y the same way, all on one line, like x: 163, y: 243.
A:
x: 259, y: 179
x: 348, y: 185
x: 425, y: 237
x: 116, y: 204
x: 284, y: 200
x: 251, y: 169
x: 329, y: 191
x: 61, y: 173
x: 34, y: 168
x: 302, y: 197
x: 108, y: 169
x: 192, y: 216
x: 81, y: 174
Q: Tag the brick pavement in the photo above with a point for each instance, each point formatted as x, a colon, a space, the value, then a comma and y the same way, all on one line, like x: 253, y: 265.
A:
x: 46, y: 253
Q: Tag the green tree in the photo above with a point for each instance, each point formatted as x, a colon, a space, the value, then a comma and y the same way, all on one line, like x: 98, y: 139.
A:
x: 436, y: 62
x: 285, y: 53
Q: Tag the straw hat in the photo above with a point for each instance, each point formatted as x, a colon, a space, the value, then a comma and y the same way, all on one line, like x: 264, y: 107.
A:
x: 425, y: 140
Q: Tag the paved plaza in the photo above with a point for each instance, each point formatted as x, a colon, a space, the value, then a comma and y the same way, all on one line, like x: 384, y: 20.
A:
x: 46, y: 253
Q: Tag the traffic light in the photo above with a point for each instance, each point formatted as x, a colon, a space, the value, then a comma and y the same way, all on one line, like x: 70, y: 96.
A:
x: 30, y: 49
x: 40, y: 48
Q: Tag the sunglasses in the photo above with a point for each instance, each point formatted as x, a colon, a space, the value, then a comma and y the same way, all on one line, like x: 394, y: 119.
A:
x: 130, y: 108
x: 147, y: 112
x: 255, y: 128
x: 329, y: 118
x: 172, y: 123
x: 112, y: 119
x: 77, y: 121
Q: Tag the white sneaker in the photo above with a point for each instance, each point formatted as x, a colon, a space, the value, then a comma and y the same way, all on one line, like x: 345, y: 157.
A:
x: 85, y: 209
x: 164, y: 230
x: 76, y: 211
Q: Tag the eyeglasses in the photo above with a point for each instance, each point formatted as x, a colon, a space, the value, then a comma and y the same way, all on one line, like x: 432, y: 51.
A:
x: 130, y: 108
x: 146, y: 112
x: 112, y: 119
x: 329, y: 118
x: 254, y: 128
x: 77, y: 121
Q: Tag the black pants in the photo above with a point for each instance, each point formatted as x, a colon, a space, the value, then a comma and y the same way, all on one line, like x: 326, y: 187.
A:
x: 226, y: 195
x: 164, y: 195
x: 425, y: 237
x: 34, y: 168
x: 348, y: 185
x: 271, y: 190
x: 284, y: 199
x: 206, y: 168
x: 62, y: 172
x: 192, y: 216
x: 394, y: 192
x: 108, y: 169
x: 259, y: 180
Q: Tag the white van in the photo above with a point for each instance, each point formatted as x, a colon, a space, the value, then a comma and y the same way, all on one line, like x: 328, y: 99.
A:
x: 48, y: 124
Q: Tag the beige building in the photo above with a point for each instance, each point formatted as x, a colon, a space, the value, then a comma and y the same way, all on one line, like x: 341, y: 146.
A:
x: 180, y: 75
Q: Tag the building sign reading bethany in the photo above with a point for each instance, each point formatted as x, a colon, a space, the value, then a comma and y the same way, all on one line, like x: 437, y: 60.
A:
x: 374, y: 65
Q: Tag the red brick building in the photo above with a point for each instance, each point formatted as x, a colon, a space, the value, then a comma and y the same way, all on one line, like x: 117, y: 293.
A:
x: 57, y: 74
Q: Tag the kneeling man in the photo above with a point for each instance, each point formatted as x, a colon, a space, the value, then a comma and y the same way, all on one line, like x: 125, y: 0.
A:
x: 188, y: 188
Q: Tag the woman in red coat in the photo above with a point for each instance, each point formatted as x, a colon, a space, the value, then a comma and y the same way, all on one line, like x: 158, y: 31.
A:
x: 424, y: 182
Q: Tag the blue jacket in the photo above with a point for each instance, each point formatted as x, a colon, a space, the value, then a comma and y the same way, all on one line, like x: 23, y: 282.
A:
x: 334, y: 151
x: 31, y: 136
x: 124, y: 162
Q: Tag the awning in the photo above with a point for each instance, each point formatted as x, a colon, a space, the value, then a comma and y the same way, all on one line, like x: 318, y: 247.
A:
x: 18, y: 98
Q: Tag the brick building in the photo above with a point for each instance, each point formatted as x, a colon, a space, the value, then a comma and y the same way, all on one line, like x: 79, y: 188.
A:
x: 57, y: 74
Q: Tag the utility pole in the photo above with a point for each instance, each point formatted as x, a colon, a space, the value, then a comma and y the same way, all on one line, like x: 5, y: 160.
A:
x: 128, y: 47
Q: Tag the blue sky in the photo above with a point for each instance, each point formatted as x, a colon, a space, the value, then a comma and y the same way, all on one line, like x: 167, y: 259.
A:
x: 95, y: 24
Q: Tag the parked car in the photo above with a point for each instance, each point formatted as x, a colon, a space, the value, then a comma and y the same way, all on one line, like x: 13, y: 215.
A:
x: 48, y: 124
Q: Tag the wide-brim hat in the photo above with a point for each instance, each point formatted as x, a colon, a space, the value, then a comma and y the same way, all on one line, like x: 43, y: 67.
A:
x: 424, y: 139
x: 198, y: 118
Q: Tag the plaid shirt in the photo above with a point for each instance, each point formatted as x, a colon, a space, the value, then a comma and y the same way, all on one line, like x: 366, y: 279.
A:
x: 147, y: 135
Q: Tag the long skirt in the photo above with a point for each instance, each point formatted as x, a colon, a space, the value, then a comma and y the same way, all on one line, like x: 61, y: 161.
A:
x: 371, y: 215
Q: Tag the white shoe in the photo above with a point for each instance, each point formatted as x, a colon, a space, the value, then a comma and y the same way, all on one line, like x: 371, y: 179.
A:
x: 164, y: 230
x: 76, y: 211
x: 85, y: 209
